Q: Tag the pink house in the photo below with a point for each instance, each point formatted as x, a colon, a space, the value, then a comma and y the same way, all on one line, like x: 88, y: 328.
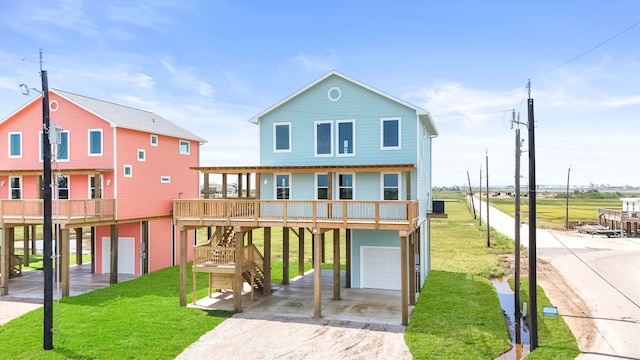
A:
x: 115, y: 170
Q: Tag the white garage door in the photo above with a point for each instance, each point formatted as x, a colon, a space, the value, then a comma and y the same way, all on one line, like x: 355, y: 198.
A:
x: 125, y: 255
x: 380, y: 267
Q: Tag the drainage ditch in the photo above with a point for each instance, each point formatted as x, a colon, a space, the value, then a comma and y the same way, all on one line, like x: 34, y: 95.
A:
x: 507, y: 302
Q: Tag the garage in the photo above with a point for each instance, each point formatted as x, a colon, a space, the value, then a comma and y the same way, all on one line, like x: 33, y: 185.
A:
x: 380, y: 267
x: 126, y: 258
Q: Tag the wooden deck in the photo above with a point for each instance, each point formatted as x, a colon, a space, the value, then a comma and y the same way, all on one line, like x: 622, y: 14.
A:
x: 327, y: 214
x: 619, y: 215
x: 71, y: 212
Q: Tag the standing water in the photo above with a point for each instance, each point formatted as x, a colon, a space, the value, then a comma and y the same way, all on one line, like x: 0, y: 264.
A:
x: 507, y: 302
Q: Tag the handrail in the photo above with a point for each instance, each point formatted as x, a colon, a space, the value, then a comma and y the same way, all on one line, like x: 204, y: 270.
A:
x: 66, y: 209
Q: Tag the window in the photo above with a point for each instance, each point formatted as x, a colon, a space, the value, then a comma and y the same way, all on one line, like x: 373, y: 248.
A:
x: 15, y: 144
x: 391, y: 186
x: 345, y: 186
x: 165, y: 179
x: 323, y: 138
x: 390, y: 133
x: 92, y: 187
x: 15, y: 182
x: 153, y: 140
x: 62, y: 184
x: 141, y: 155
x: 281, y: 137
x: 322, y: 187
x: 62, y: 149
x: 184, y: 147
x: 346, y: 137
x: 95, y: 142
x: 283, y: 190
x: 127, y: 171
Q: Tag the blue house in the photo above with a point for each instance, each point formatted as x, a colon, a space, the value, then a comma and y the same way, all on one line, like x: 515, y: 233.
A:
x: 336, y: 156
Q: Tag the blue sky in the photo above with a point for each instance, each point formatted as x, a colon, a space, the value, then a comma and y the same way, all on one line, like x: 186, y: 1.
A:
x: 209, y: 66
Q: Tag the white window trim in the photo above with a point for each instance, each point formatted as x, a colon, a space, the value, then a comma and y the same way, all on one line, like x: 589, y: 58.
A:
x: 144, y: 155
x: 315, y: 185
x: 353, y: 139
x: 56, y: 194
x: 151, y: 137
x: 40, y: 154
x: 337, y: 186
x: 382, y: 120
x: 11, y: 189
x: 188, y: 147
x: 89, y: 185
x: 276, y: 124
x: 89, y: 131
x: 165, y: 179
x: 382, y: 187
x: 275, y: 185
x: 9, y: 144
x: 315, y: 138
x: 54, y: 150
x: 124, y: 170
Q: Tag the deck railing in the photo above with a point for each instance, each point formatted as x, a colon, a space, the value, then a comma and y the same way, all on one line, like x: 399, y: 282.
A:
x: 73, y: 210
x: 314, y: 212
x: 618, y: 215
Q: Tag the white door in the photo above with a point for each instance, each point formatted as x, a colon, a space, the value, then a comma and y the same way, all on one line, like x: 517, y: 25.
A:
x: 126, y: 258
x: 380, y: 267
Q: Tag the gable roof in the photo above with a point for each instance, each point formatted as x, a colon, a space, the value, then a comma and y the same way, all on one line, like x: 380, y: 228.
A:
x: 124, y: 116
x: 423, y: 114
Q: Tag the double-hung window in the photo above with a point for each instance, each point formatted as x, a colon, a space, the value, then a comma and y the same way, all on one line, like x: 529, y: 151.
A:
x: 15, y: 144
x: 390, y: 134
x: 346, y: 137
x: 92, y: 186
x: 62, y: 183
x: 95, y: 142
x: 322, y: 187
x: 184, y: 148
x: 345, y: 186
x: 323, y: 132
x: 283, y: 188
x: 15, y: 183
x: 62, y: 149
x: 281, y: 137
x: 391, y: 186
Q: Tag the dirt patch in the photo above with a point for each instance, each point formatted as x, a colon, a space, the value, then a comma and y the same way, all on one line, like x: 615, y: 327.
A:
x: 261, y: 336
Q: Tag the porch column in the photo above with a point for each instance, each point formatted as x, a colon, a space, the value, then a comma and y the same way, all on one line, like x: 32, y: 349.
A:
x: 78, y: 246
x: 404, y: 279
x: 248, y: 175
x: 239, y: 188
x: 301, y: 232
x: 63, y: 261
x: 113, y: 279
x: 348, y: 259
x: 317, y: 275
x: 224, y: 186
x: 206, y: 192
x: 412, y: 268
x: 285, y: 256
x: 93, y: 249
x: 183, y: 267
x: 5, y: 259
x: 25, y: 247
x: 336, y: 264
x: 237, y: 279
x: 266, y: 287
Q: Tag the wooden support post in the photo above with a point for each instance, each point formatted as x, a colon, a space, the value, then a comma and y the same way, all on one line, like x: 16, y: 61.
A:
x: 412, y: 269
x: 93, y: 250
x: 64, y: 260
x: 78, y: 246
x: 266, y: 288
x: 25, y: 247
x: 324, y: 246
x: 195, y: 287
x: 113, y: 279
x: 33, y: 240
x: 250, y: 237
x: 317, y: 275
x: 248, y: 175
x: 224, y: 186
x: 239, y: 188
x: 285, y: 256
x: 336, y: 264
x: 183, y: 267
x: 237, y: 279
x: 206, y: 191
x: 348, y: 259
x: 405, y: 281
x: 5, y: 261
x: 144, y: 247
x: 301, y: 232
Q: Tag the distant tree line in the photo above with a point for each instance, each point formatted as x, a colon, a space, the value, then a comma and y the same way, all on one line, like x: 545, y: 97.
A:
x: 590, y: 194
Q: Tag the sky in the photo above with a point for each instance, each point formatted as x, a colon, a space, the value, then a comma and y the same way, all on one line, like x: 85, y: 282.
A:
x: 209, y: 66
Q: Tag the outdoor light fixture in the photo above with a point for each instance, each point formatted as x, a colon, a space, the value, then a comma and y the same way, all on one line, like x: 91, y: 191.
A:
x: 2, y: 183
x: 108, y: 182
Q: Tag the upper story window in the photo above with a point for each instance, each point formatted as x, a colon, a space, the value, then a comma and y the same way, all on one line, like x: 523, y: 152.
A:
x: 62, y: 184
x: 346, y: 137
x: 92, y: 186
x: 164, y: 179
x: 15, y: 144
x: 390, y: 133
x: 322, y: 187
x: 185, y: 147
x: 153, y: 140
x: 391, y: 186
x: 95, y: 142
x: 345, y: 186
x: 142, y: 155
x: 323, y: 138
x: 15, y: 183
x: 283, y: 189
x: 281, y: 137
x: 62, y: 149
x: 127, y: 171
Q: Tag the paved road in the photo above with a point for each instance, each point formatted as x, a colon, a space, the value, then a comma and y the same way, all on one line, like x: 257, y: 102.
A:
x: 605, y: 272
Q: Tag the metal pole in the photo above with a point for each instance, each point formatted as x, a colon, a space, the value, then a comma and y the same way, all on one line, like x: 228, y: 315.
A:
x: 471, y: 195
x: 566, y: 226
x: 46, y: 258
x: 480, y: 197
x: 533, y: 299
x: 516, y: 280
x: 488, y: 226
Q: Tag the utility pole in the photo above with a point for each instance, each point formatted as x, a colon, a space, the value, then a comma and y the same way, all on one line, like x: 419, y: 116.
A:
x: 488, y: 227
x: 516, y: 279
x: 566, y: 223
x: 471, y: 195
x: 480, y: 197
x: 533, y: 298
